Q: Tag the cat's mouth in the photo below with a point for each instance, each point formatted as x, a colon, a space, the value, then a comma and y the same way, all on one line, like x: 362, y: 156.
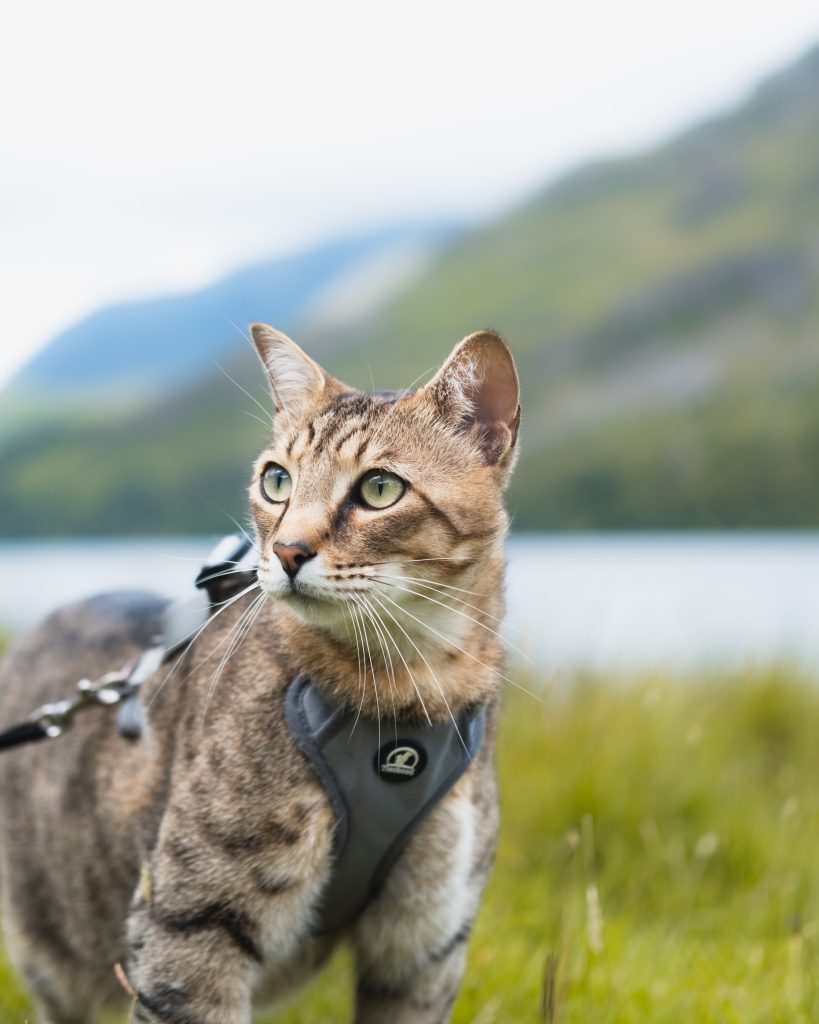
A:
x: 289, y: 590
x: 297, y: 591
x: 318, y: 606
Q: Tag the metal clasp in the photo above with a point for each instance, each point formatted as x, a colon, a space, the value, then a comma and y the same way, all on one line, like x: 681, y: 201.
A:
x: 110, y: 689
x: 54, y: 717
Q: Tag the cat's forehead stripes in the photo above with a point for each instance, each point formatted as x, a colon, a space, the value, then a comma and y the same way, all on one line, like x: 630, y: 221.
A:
x: 351, y: 417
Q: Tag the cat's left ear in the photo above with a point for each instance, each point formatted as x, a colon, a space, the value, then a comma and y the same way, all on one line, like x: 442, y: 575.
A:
x: 478, y: 389
x: 296, y: 381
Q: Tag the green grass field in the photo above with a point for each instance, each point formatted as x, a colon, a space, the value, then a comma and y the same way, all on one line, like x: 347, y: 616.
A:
x: 658, y: 861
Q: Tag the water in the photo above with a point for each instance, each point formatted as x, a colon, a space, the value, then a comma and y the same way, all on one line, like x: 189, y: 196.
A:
x: 688, y: 601
x: 609, y: 601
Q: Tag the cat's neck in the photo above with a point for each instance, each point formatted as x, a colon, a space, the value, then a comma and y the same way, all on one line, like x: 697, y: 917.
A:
x: 431, y: 666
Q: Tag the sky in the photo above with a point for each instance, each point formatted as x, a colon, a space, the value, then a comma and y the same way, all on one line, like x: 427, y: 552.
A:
x: 147, y: 149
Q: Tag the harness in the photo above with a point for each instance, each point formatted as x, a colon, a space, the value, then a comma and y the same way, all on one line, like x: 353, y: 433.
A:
x: 382, y: 779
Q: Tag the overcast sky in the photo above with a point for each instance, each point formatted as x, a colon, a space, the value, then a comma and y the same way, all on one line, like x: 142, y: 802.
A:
x: 149, y: 148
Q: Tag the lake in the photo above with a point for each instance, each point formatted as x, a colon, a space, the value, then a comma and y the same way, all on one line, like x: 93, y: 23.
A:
x: 606, y: 601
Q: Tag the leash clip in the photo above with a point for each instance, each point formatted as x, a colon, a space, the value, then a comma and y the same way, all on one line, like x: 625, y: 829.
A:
x: 109, y: 689
x: 54, y: 718
x: 112, y: 688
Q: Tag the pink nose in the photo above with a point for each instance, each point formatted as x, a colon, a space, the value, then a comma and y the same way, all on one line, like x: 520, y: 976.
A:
x: 293, y: 556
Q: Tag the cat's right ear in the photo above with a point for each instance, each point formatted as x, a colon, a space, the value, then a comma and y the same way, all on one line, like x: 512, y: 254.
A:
x: 478, y: 391
x: 296, y: 381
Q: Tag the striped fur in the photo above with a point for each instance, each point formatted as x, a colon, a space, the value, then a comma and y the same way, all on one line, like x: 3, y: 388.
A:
x: 197, y: 856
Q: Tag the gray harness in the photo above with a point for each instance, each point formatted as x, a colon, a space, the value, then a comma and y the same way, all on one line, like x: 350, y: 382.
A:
x: 382, y: 778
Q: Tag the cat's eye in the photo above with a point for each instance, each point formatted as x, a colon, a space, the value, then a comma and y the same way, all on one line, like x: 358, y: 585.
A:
x: 380, y: 489
x: 276, y: 483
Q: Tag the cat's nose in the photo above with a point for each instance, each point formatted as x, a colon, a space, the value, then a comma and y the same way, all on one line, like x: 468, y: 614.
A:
x: 293, y: 556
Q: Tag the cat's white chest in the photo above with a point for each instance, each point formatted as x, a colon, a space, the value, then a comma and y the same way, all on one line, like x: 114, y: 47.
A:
x: 430, y: 894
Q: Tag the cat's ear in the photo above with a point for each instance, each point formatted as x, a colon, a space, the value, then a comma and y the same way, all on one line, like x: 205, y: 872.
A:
x: 295, y: 380
x: 478, y: 389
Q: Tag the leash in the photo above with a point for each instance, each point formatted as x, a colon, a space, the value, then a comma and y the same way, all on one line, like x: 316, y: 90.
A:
x: 382, y: 779
x: 227, y: 569
x: 51, y: 720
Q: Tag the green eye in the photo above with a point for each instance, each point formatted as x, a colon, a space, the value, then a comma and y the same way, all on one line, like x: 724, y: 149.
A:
x: 380, y: 489
x: 276, y: 483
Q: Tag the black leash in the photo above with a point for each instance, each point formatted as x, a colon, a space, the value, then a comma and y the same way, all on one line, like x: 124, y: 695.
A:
x: 51, y: 720
x: 26, y: 732
x: 381, y: 790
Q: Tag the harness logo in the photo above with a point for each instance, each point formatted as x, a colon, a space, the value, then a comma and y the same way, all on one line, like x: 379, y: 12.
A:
x: 400, y: 761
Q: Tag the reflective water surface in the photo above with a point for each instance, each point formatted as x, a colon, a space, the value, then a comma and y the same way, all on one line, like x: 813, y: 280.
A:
x: 604, y: 601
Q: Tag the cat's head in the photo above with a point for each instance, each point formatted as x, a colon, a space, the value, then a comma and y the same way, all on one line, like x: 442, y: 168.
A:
x: 384, y: 503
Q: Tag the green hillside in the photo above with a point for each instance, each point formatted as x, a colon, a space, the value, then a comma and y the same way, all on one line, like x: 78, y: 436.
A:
x: 664, y: 312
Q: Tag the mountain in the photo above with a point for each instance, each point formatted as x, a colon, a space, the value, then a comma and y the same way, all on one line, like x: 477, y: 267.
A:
x: 664, y: 313
x: 663, y: 310
x: 160, y: 345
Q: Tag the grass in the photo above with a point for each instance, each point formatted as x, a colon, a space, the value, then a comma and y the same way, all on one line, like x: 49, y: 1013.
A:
x: 657, y: 861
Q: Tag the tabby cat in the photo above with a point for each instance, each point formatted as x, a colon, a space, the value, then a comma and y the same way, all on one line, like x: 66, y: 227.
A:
x: 196, y: 856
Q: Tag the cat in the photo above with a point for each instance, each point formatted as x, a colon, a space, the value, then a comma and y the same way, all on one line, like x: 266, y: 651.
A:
x: 196, y: 856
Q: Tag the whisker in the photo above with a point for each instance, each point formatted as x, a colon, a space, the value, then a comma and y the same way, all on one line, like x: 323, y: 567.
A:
x: 370, y: 370
x: 355, y: 637
x: 244, y: 391
x: 429, y: 669
x: 372, y: 670
x: 440, y: 558
x: 400, y: 654
x: 431, y: 583
x: 224, y: 512
x: 211, y: 654
x: 354, y: 612
x: 228, y: 642
x: 435, y: 585
x: 224, y: 572
x: 349, y: 621
x: 457, y: 611
x: 199, y: 561
x: 242, y: 628
x: 270, y: 377
x: 450, y: 643
x: 194, y: 635
x: 253, y: 416
x: 386, y: 657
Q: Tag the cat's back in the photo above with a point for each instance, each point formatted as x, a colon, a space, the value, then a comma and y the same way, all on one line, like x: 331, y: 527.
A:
x: 81, y: 640
x: 66, y: 836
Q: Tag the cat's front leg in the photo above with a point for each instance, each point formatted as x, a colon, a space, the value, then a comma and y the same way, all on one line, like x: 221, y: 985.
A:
x: 184, y: 971
x: 225, y: 896
x: 193, y: 950
x: 411, y: 941
x: 424, y: 994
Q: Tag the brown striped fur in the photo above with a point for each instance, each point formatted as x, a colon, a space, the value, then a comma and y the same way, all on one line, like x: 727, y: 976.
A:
x: 196, y: 856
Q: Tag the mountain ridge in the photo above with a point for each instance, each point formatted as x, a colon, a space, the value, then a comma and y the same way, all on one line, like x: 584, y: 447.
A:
x: 664, y: 312
x: 148, y: 346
